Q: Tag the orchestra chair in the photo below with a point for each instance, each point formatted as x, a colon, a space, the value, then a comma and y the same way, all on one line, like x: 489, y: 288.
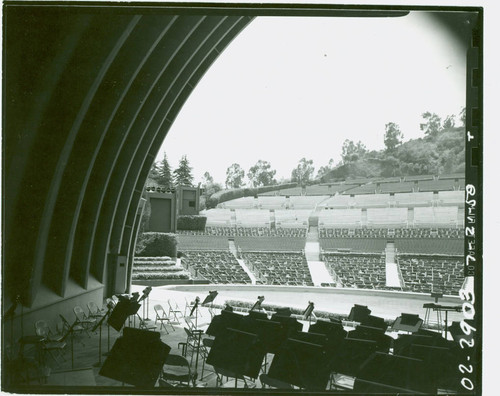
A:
x: 192, y: 343
x: 95, y: 311
x: 177, y: 371
x: 162, y: 317
x: 51, y: 343
x: 85, y: 321
x: 173, y: 309
x: 77, y: 329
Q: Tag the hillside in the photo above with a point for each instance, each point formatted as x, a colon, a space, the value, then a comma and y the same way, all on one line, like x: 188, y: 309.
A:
x: 443, y: 153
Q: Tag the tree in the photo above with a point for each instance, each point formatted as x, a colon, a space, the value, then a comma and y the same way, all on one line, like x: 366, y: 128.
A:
x: 182, y: 175
x: 463, y: 114
x: 164, y: 173
x: 303, y: 173
x: 234, y: 176
x: 432, y: 124
x: 393, y: 136
x: 449, y: 122
x: 261, y: 174
x: 351, y: 151
x: 154, y: 172
x: 325, y: 169
x: 209, y: 186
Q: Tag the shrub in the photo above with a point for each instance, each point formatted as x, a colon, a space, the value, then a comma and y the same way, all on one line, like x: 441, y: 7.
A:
x: 228, y: 195
x: 191, y: 222
x: 153, y: 244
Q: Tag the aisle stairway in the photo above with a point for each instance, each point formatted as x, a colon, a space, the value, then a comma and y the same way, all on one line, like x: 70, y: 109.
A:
x: 234, y: 251
x: 391, y: 267
x: 319, y: 273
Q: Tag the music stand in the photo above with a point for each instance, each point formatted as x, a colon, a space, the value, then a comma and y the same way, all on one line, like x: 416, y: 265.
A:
x: 121, y: 312
x: 238, y: 352
x: 209, y: 300
x: 136, y: 358
x: 398, y: 371
x: 302, y: 364
x: 227, y: 319
x: 407, y: 322
x: 308, y: 312
x: 358, y: 313
x: 145, y: 296
x: 258, y: 304
x: 99, y: 325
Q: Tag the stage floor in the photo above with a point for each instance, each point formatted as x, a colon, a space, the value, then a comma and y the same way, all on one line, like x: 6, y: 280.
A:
x: 386, y: 304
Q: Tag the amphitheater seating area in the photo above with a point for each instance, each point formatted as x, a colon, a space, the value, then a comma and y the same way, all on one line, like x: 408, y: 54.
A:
x: 436, y: 185
x: 293, y: 232
x: 386, y: 217
x: 337, y: 201
x: 366, y: 245
x: 401, y: 187
x: 442, y: 216
x: 451, y: 197
x: 419, y: 177
x: 272, y: 243
x: 201, y: 242
x: 418, y: 233
x: 450, y: 246
x: 357, y: 271
x: 413, y: 199
x: 340, y: 218
x: 292, y: 218
x: 271, y: 202
x: 306, y: 201
x: 215, y: 266
x: 371, y: 201
x: 369, y: 188
x: 279, y: 268
x: 217, y: 217
x: 238, y: 203
x: 252, y: 218
x: 430, y: 274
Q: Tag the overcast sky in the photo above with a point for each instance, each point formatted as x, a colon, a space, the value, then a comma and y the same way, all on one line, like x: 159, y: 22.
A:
x: 290, y: 87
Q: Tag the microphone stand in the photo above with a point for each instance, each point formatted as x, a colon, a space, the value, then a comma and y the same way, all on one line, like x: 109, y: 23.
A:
x: 99, y: 324
x: 197, y: 334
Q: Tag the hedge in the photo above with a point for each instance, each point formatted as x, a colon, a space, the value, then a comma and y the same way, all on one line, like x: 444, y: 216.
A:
x: 228, y: 195
x: 191, y: 222
x: 153, y: 244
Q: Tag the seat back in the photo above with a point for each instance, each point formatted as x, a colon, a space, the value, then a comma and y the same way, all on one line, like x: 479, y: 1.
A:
x: 80, y: 315
x: 93, y: 308
x: 159, y: 310
x: 176, y: 360
x: 42, y: 328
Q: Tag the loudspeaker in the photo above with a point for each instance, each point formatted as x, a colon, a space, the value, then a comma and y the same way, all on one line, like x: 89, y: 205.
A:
x: 119, y: 266
x: 136, y: 358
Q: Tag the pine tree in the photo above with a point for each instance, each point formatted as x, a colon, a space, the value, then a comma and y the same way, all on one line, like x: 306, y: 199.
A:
x: 183, y: 175
x: 165, y: 175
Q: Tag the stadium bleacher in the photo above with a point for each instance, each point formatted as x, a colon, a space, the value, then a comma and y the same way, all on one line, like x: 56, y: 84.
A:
x: 306, y: 202
x: 366, y: 245
x: 201, y: 242
x: 419, y: 177
x: 452, y: 246
x: 452, y: 176
x: 271, y: 202
x: 239, y: 203
x: 217, y: 217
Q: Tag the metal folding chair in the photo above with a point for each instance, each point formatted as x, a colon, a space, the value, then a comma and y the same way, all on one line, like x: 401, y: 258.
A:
x: 173, y: 309
x: 52, y: 343
x: 176, y: 369
x: 162, y: 317
x: 85, y: 321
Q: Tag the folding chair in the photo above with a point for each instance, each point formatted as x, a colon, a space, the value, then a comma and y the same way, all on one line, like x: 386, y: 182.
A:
x: 162, y: 317
x: 192, y: 342
x: 207, y: 343
x: 177, y: 369
x: 52, y: 343
x: 95, y: 311
x: 76, y: 328
x: 173, y: 309
x: 85, y: 321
